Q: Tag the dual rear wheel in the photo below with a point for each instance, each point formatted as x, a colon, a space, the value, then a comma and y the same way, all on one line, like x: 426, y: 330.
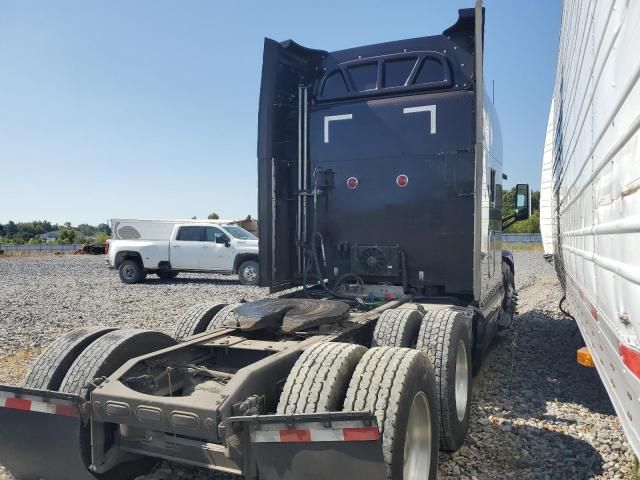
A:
x: 74, y: 362
x: 445, y: 336
x: 396, y: 384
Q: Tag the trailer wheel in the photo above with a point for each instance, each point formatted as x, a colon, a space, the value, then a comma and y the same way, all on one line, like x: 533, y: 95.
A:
x: 224, y: 318
x: 248, y: 273
x: 446, y: 338
x: 398, y: 385
x: 397, y: 328
x: 49, y: 369
x: 196, y: 319
x: 167, y: 274
x: 319, y: 379
x: 131, y: 271
x: 110, y: 352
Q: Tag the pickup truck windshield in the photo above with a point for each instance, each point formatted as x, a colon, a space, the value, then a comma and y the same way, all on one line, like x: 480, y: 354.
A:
x: 240, y: 233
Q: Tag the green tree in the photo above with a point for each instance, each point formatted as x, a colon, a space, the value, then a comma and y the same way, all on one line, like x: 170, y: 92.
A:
x: 86, y: 230
x: 67, y: 234
x: 11, y: 229
x: 104, y: 228
x: 213, y: 216
x: 535, y: 201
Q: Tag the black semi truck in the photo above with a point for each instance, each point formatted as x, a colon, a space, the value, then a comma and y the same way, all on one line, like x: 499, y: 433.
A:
x: 380, y: 176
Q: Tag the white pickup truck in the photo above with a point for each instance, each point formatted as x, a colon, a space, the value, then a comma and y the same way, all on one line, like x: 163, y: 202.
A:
x: 193, y: 247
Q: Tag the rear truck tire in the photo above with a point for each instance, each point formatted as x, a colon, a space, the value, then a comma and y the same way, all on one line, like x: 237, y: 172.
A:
x: 100, y: 359
x: 108, y: 353
x: 224, y: 318
x: 167, y: 274
x: 319, y: 379
x: 248, y: 272
x: 131, y: 271
x: 446, y: 338
x: 397, y: 328
x: 196, y: 319
x: 50, y: 368
x: 398, y: 386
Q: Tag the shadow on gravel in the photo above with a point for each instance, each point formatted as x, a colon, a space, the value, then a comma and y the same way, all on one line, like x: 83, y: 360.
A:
x: 546, y: 343
x: 534, y: 407
x: 523, y: 452
x: 194, y: 281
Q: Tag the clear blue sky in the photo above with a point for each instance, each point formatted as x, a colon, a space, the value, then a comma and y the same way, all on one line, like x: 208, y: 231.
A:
x: 149, y: 108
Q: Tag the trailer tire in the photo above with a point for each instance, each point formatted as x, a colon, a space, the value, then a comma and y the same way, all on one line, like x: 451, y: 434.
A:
x: 131, y: 271
x: 108, y: 353
x: 398, y: 386
x: 397, y: 328
x: 319, y: 379
x: 49, y: 369
x: 224, y: 318
x: 196, y: 319
x: 167, y: 274
x: 446, y: 338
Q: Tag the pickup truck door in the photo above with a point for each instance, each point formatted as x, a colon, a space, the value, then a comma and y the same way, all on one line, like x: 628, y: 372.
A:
x: 215, y: 255
x: 185, y: 250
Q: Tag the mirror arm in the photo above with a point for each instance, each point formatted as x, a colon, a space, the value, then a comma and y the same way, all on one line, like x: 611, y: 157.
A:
x: 508, y: 221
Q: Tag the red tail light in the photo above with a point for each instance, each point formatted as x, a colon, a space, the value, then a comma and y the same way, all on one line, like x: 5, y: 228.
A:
x: 631, y: 358
x: 402, y: 180
x: 106, y: 247
x: 352, y: 182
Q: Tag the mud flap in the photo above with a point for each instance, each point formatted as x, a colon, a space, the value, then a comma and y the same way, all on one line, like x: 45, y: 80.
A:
x: 40, y: 434
x: 312, y: 446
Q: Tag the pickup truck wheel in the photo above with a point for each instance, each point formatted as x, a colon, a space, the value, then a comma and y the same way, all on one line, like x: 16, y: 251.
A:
x: 131, y: 271
x: 167, y: 274
x: 397, y: 328
x: 196, y: 319
x: 248, y: 272
x: 319, y: 379
x: 398, y: 386
x: 224, y: 318
x: 445, y: 337
x: 49, y: 369
x: 108, y: 353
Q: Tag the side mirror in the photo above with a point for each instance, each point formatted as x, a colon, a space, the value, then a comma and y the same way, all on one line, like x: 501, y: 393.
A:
x: 523, y: 202
x: 222, y: 239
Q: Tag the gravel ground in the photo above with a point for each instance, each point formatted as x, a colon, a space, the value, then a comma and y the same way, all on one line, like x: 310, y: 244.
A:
x: 41, y: 297
x: 536, y: 413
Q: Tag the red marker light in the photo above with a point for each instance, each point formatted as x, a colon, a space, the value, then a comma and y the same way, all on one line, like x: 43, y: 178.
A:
x: 402, y: 180
x: 631, y: 358
x: 352, y: 182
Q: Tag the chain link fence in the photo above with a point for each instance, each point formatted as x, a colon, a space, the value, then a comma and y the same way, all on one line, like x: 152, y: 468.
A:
x: 39, y: 249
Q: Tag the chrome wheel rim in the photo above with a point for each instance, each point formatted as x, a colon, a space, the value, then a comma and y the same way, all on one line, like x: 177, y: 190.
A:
x: 128, y: 272
x: 250, y: 273
x: 417, y: 442
x: 462, y: 380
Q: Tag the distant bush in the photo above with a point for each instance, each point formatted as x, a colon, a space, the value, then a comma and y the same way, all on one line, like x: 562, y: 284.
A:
x: 101, y: 237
